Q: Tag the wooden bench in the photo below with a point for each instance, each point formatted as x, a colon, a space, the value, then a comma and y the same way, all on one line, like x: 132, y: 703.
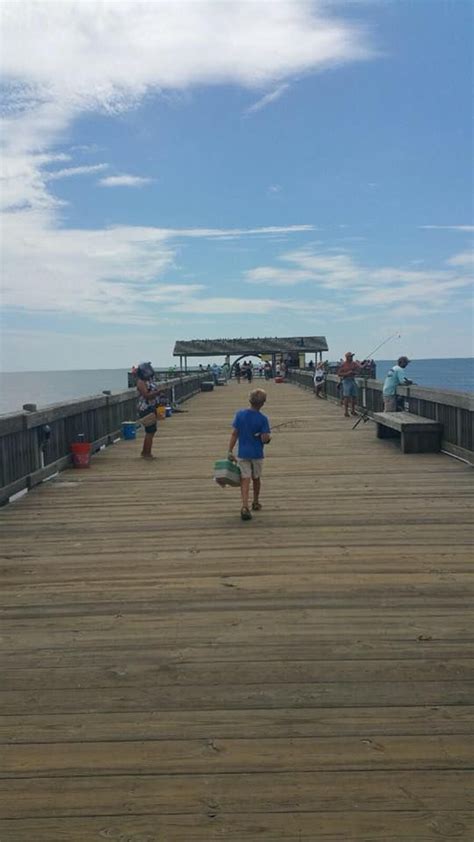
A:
x: 418, y: 434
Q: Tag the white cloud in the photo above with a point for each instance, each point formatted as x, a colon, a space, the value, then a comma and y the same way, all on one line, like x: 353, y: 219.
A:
x: 277, y: 276
x: 91, y: 272
x: 464, y: 258
x: 267, y: 99
x: 91, y: 54
x: 70, y: 171
x: 247, y: 306
x: 124, y: 181
x: 351, y: 282
x: 447, y: 227
x: 62, y: 60
x: 111, y: 274
x: 330, y: 270
x: 236, y: 233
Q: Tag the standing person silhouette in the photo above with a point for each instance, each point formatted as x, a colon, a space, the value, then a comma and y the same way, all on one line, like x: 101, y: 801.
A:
x: 348, y: 372
x: 251, y: 429
x: 148, y: 399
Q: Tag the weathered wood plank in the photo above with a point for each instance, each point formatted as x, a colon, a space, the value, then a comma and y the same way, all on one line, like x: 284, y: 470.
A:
x: 200, y: 724
x: 406, y: 826
x: 210, y: 697
x: 212, y: 756
x: 142, y: 651
x: 123, y: 672
x: 105, y: 795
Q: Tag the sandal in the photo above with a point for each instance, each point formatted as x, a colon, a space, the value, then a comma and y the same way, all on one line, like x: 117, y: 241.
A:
x: 245, y: 514
x: 256, y: 507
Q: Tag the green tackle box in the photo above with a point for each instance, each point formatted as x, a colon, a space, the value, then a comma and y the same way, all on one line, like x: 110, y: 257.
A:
x: 226, y: 472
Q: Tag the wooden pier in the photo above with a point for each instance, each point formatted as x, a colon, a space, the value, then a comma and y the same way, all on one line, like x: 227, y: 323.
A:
x: 172, y: 674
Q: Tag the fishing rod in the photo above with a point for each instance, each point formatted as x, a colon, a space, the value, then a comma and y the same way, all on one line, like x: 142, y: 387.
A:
x: 398, y: 335
x: 279, y: 426
x: 365, y: 415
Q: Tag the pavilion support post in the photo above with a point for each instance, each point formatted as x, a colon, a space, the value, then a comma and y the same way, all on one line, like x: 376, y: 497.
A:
x: 181, y: 363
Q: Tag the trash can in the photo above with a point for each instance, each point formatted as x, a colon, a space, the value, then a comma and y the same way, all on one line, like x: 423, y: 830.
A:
x: 81, y: 454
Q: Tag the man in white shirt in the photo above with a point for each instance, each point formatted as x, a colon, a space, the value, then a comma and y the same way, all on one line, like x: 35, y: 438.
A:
x: 394, y: 378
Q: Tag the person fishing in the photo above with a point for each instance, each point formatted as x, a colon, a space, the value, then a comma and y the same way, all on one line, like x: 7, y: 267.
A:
x: 395, y: 377
x: 148, y: 400
x: 348, y: 371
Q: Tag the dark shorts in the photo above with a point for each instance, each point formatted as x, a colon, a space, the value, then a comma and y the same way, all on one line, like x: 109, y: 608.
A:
x: 151, y: 428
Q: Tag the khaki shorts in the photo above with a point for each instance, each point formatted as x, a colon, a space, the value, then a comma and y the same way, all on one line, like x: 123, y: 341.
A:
x: 390, y: 403
x: 251, y: 468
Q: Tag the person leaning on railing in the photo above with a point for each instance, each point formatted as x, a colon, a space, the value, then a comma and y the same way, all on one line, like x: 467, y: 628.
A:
x: 394, y: 378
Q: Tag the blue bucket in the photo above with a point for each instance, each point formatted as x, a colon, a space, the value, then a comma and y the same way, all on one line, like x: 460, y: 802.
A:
x: 168, y: 412
x: 129, y: 430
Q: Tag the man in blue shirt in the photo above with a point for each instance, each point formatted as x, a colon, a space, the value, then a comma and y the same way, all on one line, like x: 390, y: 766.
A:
x: 395, y: 377
x: 251, y: 429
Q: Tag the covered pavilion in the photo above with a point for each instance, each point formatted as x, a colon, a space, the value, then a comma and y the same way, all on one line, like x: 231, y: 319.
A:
x: 269, y: 346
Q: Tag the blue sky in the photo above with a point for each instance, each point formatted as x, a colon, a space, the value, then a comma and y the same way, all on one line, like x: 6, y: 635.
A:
x: 196, y: 169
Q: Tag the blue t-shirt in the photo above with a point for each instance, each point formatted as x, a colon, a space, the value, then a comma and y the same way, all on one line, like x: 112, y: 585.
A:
x: 395, y: 377
x: 247, y: 422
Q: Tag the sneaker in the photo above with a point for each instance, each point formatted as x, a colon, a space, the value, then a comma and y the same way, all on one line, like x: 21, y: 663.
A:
x: 245, y: 514
x: 256, y: 507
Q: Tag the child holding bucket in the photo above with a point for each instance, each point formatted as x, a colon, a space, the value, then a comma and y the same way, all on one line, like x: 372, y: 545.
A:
x: 251, y: 429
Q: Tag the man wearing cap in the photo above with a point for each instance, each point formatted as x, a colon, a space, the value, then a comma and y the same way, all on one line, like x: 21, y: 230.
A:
x: 348, y: 371
x: 394, y: 378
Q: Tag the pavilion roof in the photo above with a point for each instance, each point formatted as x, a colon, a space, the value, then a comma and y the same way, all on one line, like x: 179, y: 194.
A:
x: 255, y: 345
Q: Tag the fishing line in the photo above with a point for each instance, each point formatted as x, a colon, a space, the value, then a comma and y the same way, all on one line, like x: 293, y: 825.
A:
x: 398, y: 335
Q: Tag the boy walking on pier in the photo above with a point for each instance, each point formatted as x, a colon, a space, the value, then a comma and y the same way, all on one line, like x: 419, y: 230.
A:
x: 251, y: 429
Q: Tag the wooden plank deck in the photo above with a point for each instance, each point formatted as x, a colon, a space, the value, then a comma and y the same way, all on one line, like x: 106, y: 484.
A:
x: 171, y: 673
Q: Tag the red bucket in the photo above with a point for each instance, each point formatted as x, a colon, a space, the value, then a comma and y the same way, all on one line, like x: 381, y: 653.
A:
x: 81, y: 454
x: 279, y: 379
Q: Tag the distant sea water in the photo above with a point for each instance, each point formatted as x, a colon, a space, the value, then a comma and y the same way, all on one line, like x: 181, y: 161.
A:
x: 46, y: 387
x: 456, y: 374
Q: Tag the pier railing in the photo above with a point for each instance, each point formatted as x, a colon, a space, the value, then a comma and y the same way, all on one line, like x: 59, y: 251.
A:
x: 454, y: 410
x: 34, y: 445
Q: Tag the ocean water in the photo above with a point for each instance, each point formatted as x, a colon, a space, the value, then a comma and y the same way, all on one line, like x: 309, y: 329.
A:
x: 47, y: 387
x: 456, y: 374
